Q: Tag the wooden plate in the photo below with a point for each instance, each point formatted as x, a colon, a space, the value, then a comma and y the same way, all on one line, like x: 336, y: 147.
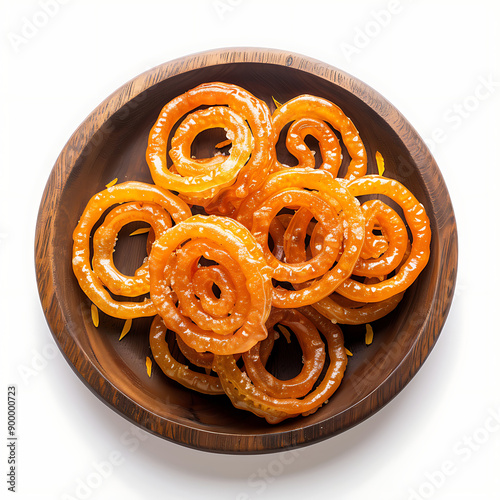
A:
x: 111, y: 143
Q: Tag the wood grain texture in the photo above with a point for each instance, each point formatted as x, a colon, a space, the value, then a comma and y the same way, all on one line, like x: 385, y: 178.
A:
x: 111, y: 143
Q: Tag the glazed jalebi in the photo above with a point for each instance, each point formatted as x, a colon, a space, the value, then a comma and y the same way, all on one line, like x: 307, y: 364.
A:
x: 313, y: 357
x: 318, y: 112
x: 419, y: 225
x: 180, y: 372
x: 339, y: 215
x: 88, y: 278
x: 244, y: 394
x: 272, y: 250
x: 174, y: 266
x: 214, y: 185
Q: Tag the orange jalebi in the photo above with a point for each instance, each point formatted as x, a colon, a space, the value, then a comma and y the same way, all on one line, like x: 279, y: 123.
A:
x: 419, y: 225
x: 174, y: 265
x: 219, y: 192
x: 289, y: 235
x: 88, y: 279
x: 245, y: 395
x: 313, y: 357
x: 333, y: 206
x: 274, y: 249
x: 320, y: 111
x: 329, y: 145
x: 180, y: 372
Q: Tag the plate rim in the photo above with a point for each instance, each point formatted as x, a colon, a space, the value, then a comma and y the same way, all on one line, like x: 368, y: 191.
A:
x: 130, y: 409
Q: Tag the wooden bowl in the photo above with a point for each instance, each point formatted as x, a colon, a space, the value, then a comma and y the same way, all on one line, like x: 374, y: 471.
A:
x: 111, y: 143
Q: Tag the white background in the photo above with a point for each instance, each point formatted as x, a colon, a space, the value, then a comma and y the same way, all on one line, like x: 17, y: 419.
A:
x: 431, y: 60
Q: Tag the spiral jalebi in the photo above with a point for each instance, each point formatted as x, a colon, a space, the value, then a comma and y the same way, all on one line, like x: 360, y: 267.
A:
x: 217, y: 183
x: 236, y: 324
x: 88, y: 278
x: 273, y: 250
